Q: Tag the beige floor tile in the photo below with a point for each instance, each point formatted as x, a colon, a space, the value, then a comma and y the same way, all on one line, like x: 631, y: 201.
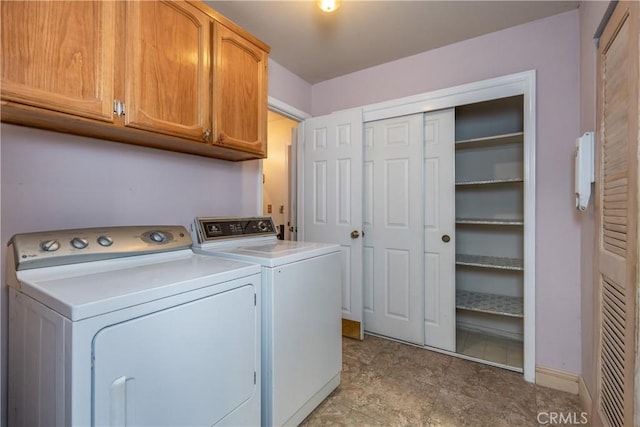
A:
x: 488, y: 347
x: 461, y: 339
x: 515, y: 355
x: 474, y: 348
x: 495, y: 354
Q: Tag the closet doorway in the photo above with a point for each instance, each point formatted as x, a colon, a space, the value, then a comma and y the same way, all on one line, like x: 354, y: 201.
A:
x: 494, y: 175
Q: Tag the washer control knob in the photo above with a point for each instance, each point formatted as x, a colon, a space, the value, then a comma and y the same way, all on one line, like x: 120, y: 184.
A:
x: 50, y: 245
x: 157, y: 237
x: 262, y: 226
x: 105, y: 241
x: 79, y: 243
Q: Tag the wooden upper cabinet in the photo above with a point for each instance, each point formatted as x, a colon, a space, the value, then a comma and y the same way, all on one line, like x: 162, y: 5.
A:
x: 59, y: 56
x: 239, y: 92
x: 167, y: 71
x: 179, y: 75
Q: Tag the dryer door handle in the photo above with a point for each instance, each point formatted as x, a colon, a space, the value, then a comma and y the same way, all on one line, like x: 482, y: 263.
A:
x: 121, y: 401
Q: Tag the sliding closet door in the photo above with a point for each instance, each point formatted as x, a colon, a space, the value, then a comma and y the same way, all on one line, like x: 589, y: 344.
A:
x: 393, y: 228
x: 617, y: 218
x: 439, y: 230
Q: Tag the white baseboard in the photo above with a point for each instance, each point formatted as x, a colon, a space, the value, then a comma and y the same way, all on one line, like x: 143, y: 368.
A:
x: 558, y: 380
x: 564, y: 381
x: 585, y: 396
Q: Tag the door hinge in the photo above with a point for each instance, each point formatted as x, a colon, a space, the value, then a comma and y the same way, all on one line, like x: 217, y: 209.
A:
x: 118, y: 108
x: 255, y: 299
x: 254, y: 377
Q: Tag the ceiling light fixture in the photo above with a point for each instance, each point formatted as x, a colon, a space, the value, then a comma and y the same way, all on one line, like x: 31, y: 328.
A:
x: 328, y: 5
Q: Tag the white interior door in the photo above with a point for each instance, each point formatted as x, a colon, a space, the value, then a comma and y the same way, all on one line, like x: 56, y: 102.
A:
x: 439, y: 229
x: 331, y: 196
x: 393, y: 245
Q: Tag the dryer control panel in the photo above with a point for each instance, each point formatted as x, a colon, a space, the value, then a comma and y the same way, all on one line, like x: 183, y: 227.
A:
x: 209, y: 229
x: 49, y: 248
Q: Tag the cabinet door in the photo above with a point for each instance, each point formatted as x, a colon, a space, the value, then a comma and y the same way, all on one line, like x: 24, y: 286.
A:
x: 240, y: 93
x: 59, y: 55
x: 167, y: 66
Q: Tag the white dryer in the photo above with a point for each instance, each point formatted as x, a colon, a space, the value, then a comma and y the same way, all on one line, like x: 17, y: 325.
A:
x: 127, y: 326
x: 301, y: 311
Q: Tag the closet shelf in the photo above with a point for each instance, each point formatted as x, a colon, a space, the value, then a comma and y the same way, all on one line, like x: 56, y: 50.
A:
x: 482, y: 261
x: 490, y: 303
x: 490, y: 181
x: 490, y: 221
x: 487, y: 141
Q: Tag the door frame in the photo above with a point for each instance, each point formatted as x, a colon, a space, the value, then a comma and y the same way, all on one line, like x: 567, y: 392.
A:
x: 291, y: 112
x: 523, y: 83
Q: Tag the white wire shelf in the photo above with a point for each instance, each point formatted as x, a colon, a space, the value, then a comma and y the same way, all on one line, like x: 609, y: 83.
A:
x: 490, y: 303
x: 490, y: 221
x: 490, y: 181
x: 501, y: 263
x: 508, y: 138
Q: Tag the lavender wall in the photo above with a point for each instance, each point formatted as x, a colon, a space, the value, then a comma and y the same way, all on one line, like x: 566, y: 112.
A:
x: 552, y: 47
x: 591, y: 13
x: 52, y: 180
x: 288, y: 87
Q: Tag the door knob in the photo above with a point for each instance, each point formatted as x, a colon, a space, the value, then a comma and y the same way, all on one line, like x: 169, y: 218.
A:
x: 355, y: 234
x: 446, y: 238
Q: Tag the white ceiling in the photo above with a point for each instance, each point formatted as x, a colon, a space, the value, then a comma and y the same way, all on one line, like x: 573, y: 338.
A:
x: 318, y: 46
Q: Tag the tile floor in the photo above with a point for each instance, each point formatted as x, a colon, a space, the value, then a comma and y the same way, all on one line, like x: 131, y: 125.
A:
x: 495, y: 349
x: 385, y: 383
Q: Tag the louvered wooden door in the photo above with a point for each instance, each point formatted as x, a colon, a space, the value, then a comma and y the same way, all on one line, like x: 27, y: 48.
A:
x: 617, y: 217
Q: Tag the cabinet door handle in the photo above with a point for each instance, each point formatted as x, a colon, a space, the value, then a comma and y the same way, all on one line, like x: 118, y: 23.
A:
x: 446, y: 238
x: 206, y: 135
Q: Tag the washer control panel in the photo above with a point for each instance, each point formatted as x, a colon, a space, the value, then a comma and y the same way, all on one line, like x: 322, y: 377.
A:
x: 49, y: 248
x: 209, y: 229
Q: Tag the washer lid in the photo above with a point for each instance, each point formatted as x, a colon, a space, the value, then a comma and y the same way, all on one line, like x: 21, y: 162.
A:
x: 273, y: 254
x: 89, y: 289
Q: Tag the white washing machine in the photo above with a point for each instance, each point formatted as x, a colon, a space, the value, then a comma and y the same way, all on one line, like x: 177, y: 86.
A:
x: 301, y: 311
x: 127, y: 326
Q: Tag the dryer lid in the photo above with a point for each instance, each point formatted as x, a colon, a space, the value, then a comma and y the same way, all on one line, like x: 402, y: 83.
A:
x: 80, y: 291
